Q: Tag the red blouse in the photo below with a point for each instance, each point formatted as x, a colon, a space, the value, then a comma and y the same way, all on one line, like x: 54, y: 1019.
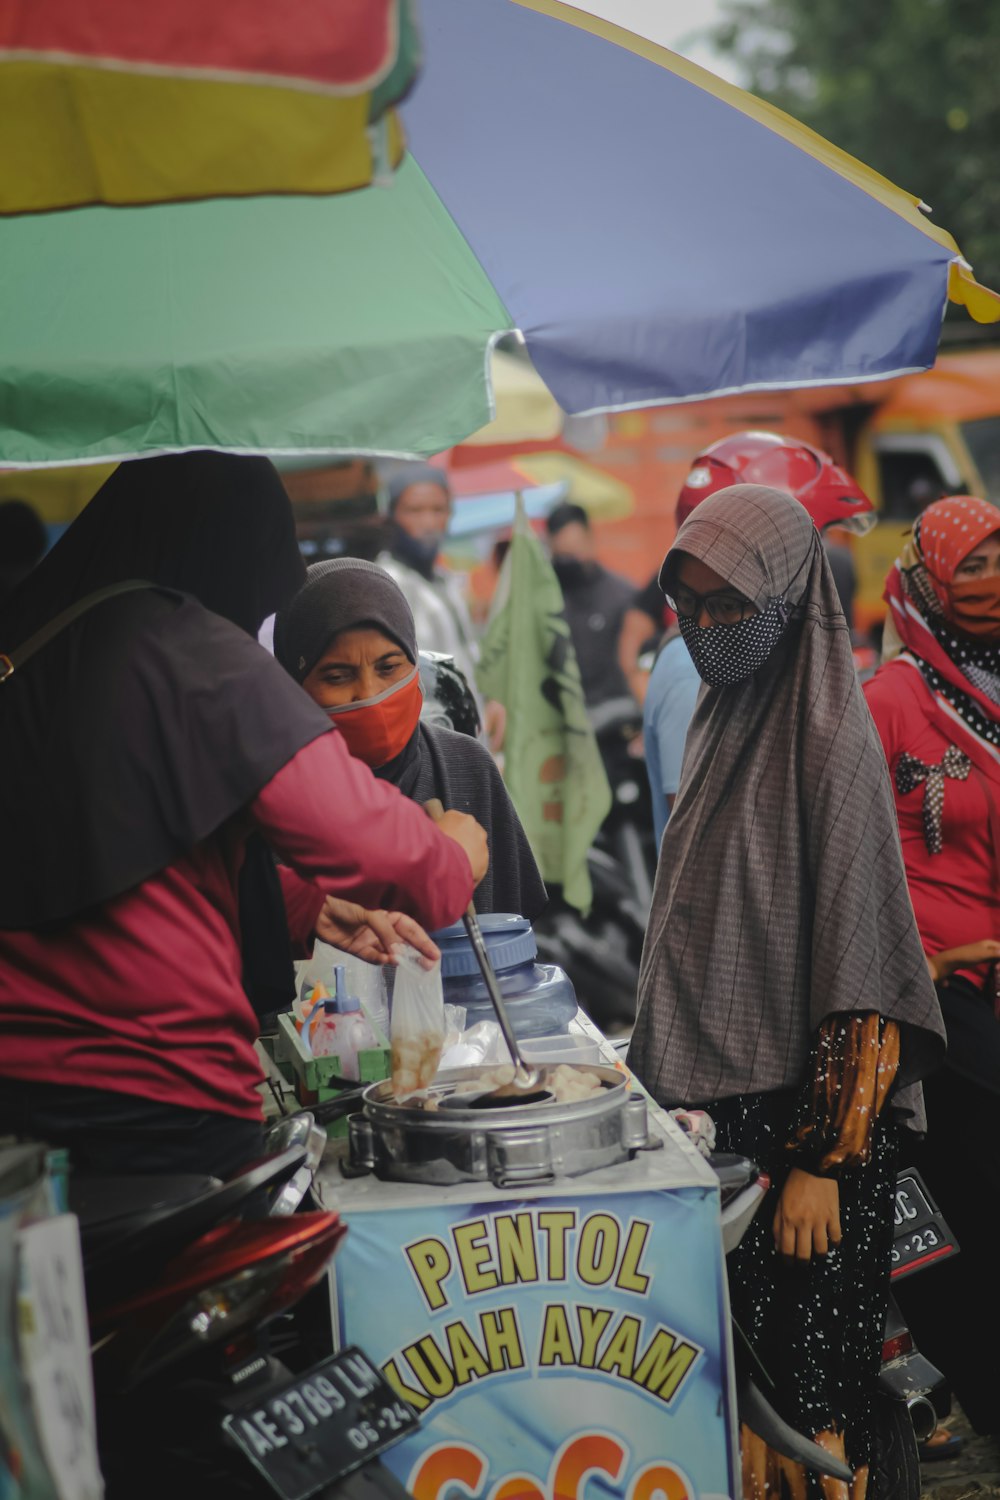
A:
x: 954, y: 893
x: 143, y: 995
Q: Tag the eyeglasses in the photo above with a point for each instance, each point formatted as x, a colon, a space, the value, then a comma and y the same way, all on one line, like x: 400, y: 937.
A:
x: 724, y: 609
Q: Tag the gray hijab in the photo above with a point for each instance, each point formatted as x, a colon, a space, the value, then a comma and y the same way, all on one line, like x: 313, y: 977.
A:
x: 780, y: 895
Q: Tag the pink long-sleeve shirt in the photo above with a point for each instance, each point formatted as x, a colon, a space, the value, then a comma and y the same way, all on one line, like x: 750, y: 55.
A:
x: 144, y: 996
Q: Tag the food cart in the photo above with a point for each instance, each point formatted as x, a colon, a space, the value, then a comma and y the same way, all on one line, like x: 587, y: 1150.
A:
x: 569, y: 1332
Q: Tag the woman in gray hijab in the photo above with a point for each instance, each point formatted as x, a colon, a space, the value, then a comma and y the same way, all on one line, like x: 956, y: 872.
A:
x: 783, y: 985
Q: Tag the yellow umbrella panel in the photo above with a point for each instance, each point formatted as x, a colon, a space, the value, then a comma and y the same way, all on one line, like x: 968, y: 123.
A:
x: 526, y: 412
x: 128, y: 104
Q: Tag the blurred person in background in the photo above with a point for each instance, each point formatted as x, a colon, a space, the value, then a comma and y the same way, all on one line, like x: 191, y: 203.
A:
x: 349, y: 638
x: 150, y: 748
x: 936, y: 705
x: 420, y: 506
x: 596, y: 600
x: 23, y: 540
x: 831, y: 497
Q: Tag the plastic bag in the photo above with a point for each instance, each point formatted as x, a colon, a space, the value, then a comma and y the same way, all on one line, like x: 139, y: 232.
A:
x: 481, y: 1046
x: 418, y: 1022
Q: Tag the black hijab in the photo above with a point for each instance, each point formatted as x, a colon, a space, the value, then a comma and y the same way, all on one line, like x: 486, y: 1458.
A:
x: 155, y: 717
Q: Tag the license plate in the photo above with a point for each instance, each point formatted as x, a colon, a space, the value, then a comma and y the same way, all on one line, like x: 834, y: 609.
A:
x: 305, y: 1434
x: 921, y: 1235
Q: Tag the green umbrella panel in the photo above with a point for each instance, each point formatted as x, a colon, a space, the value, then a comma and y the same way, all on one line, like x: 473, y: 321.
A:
x: 357, y: 323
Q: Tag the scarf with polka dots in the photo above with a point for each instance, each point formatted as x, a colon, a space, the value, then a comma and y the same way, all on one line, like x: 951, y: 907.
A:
x: 961, y: 669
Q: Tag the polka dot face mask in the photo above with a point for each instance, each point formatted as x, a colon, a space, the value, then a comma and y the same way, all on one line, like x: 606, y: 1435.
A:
x: 727, y: 654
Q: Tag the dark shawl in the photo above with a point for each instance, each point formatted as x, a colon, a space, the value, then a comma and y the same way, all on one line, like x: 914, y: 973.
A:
x: 462, y: 773
x: 153, y: 719
x: 780, y: 895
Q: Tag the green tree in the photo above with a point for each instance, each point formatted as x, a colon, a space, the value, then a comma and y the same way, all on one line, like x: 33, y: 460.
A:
x: 908, y: 86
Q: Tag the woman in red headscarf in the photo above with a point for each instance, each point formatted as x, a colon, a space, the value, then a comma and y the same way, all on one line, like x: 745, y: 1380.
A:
x: 937, y: 708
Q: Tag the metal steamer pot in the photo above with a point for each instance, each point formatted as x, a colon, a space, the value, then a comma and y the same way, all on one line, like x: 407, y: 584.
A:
x: 523, y: 1145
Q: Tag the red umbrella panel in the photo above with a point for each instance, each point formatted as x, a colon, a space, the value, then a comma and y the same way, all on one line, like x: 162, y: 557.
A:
x: 107, y: 101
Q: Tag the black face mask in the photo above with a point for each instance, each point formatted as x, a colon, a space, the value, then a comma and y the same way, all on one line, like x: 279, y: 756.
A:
x: 727, y: 654
x: 418, y: 552
x: 571, y: 572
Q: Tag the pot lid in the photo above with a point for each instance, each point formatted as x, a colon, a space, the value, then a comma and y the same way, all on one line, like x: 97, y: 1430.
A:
x: 509, y: 941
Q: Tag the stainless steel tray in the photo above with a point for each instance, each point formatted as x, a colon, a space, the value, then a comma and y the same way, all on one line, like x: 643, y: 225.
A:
x: 522, y: 1145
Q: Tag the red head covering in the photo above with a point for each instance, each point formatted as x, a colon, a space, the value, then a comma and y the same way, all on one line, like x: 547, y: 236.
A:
x: 926, y: 615
x: 948, y: 531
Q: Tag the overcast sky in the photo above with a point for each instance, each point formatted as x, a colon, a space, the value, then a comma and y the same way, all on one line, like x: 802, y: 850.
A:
x: 672, y: 23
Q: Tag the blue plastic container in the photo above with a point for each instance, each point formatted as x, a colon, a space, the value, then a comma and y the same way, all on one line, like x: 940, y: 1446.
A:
x: 540, y: 998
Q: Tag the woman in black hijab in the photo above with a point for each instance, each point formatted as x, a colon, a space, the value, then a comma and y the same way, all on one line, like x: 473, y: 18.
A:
x: 145, y: 741
x: 349, y: 638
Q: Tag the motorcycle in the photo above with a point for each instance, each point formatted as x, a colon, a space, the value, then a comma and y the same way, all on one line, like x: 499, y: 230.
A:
x: 913, y: 1393
x: 190, y: 1283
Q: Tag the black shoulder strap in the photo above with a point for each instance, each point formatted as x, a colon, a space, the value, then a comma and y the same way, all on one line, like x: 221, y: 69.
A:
x: 10, y: 662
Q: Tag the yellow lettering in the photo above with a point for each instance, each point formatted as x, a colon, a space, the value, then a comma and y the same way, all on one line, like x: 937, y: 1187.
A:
x: 556, y: 1347
x: 466, y: 1358
x: 417, y: 1399
x: 473, y: 1252
x: 665, y: 1364
x: 597, y: 1252
x: 555, y: 1224
x: 431, y: 1265
x: 430, y: 1367
x: 619, y: 1357
x: 516, y: 1256
x: 630, y: 1278
x: 592, y: 1321
x: 502, y: 1338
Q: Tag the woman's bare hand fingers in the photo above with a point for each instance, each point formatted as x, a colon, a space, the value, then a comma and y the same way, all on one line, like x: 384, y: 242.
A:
x: 408, y: 931
x: 379, y: 925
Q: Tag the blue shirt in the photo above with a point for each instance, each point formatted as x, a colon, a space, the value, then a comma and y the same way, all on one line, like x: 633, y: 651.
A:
x: 670, y: 700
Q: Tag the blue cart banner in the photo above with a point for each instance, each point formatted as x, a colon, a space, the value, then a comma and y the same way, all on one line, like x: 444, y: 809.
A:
x: 555, y: 1349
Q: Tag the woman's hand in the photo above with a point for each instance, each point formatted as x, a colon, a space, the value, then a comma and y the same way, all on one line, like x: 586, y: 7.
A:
x: 371, y: 935
x: 944, y: 965
x: 807, y: 1222
x: 472, y: 838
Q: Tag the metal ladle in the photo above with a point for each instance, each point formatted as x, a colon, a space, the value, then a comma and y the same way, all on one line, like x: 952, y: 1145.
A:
x: 528, y: 1084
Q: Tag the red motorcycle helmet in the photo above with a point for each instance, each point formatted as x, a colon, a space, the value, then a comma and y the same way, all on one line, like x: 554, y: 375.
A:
x: 826, y: 490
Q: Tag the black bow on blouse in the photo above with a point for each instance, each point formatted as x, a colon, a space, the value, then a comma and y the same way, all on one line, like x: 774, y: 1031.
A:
x: 910, y: 772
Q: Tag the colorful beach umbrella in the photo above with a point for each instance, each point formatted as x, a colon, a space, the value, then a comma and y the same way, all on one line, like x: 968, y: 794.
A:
x: 658, y: 234
x: 655, y: 234
x: 113, y: 101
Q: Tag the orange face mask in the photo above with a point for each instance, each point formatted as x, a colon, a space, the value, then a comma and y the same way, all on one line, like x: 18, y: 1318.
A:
x: 974, y: 606
x: 378, y: 729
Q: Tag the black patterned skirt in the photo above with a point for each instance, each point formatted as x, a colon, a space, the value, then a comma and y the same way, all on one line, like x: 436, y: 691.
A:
x: 817, y: 1329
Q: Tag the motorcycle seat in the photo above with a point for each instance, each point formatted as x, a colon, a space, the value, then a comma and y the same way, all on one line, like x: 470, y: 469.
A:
x: 127, y: 1202
x: 129, y: 1222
